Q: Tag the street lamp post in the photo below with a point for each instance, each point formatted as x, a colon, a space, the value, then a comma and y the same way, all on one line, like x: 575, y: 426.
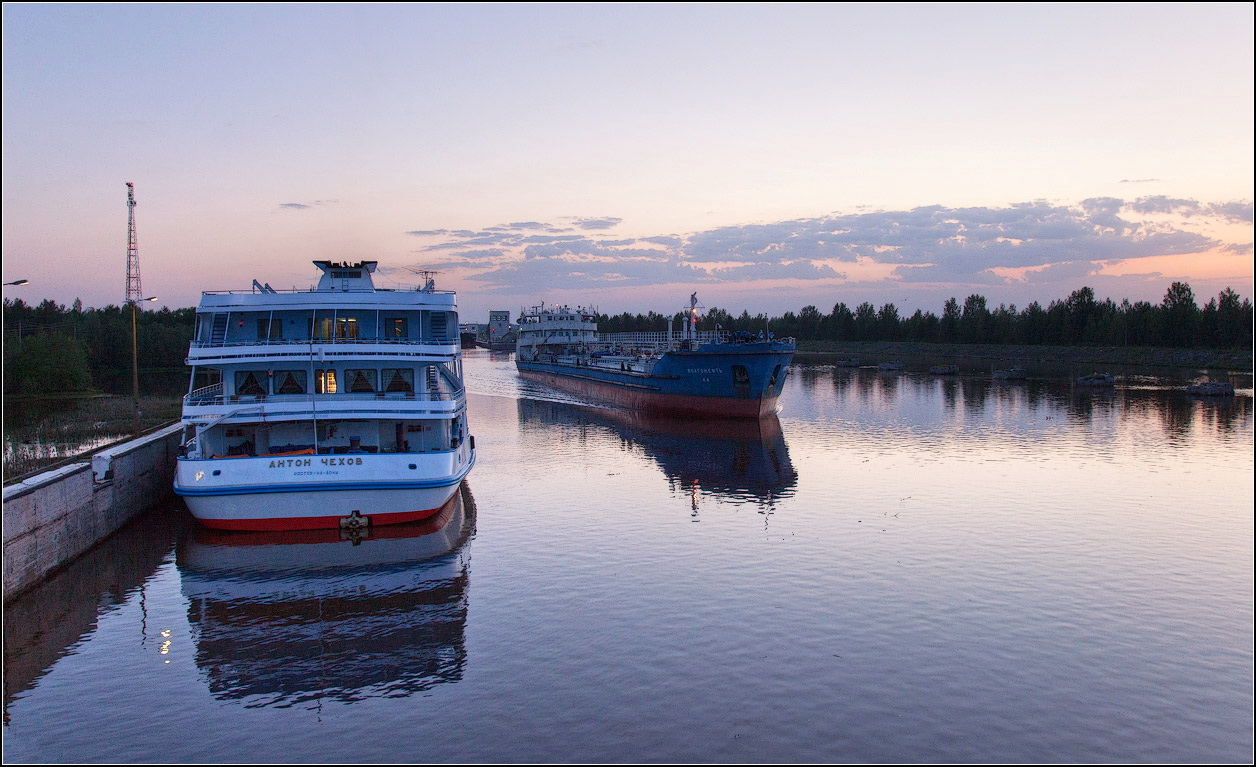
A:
x: 135, y: 366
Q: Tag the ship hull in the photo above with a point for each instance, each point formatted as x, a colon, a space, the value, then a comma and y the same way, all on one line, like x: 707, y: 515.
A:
x: 261, y: 496
x: 725, y: 384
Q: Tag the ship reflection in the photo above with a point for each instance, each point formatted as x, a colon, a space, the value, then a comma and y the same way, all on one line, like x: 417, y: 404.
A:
x: 287, y: 619
x: 734, y: 460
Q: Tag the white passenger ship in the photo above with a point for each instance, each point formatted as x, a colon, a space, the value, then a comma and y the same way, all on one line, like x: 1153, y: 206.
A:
x: 339, y: 406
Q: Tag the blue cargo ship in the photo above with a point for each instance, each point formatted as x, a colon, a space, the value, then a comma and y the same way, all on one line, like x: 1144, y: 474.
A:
x: 690, y: 372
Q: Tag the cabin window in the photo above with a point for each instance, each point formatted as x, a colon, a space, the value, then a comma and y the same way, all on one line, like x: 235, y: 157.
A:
x: 270, y: 328
x: 289, y: 381
x: 398, y: 380
x: 324, y: 381
x: 321, y: 328
x: 360, y: 381
x: 340, y: 328
x: 346, y: 328
x: 395, y: 327
x: 247, y: 383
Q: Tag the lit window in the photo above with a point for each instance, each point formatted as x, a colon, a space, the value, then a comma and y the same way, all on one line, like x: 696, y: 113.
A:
x: 324, y: 381
x: 347, y: 328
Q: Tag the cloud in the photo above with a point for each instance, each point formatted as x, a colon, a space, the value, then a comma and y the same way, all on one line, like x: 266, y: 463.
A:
x: 978, y: 246
x: 305, y: 205
x: 1162, y: 204
x: 1233, y: 212
x: 597, y: 223
x: 669, y: 241
x: 1067, y: 271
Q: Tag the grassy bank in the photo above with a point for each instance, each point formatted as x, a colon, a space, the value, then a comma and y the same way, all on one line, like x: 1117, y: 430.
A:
x: 42, y: 432
x: 1024, y: 356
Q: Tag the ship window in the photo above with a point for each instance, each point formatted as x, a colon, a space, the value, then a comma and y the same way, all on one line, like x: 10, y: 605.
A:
x: 289, y: 382
x: 360, y: 381
x: 347, y: 327
x: 398, y: 379
x: 344, y: 328
x: 347, y: 275
x: 324, y: 381
x: 247, y: 383
x: 270, y: 328
x: 395, y: 327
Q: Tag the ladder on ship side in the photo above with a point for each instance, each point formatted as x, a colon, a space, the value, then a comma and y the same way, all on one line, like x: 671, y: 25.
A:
x: 219, y: 333
x: 433, y: 381
x: 440, y: 325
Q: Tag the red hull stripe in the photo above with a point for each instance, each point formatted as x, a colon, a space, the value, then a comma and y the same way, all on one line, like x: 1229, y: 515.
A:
x: 311, y: 523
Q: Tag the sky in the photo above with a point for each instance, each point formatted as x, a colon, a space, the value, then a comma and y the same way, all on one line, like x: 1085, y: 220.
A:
x: 623, y: 156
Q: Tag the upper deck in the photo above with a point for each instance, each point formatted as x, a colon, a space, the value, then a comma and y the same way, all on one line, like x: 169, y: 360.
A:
x: 342, y: 284
x: 345, y: 310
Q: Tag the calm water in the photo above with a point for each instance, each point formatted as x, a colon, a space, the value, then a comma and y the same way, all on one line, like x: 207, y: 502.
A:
x: 899, y: 569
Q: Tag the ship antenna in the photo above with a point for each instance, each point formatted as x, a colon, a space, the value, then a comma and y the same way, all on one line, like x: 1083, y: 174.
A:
x: 429, y: 277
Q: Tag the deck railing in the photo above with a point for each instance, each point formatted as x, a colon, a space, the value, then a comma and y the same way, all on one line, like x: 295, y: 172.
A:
x: 318, y: 341
x: 254, y: 289
x: 659, y: 338
x: 204, y: 398
x: 205, y: 392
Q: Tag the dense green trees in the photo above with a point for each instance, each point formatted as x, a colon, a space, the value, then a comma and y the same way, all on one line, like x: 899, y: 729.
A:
x: 1225, y: 322
x: 52, y: 348
x: 45, y: 362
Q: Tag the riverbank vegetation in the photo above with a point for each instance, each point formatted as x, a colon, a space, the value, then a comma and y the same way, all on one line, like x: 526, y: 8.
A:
x: 45, y: 432
x: 51, y: 348
x: 1177, y: 322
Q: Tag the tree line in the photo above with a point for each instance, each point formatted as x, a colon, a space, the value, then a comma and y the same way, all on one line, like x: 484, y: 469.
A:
x: 50, y: 348
x: 53, y: 348
x: 1224, y: 322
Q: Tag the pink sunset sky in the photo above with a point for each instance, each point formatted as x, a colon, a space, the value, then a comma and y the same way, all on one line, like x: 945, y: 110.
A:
x: 623, y: 156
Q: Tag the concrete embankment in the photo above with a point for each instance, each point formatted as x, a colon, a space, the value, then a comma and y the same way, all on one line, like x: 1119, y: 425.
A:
x: 54, y: 517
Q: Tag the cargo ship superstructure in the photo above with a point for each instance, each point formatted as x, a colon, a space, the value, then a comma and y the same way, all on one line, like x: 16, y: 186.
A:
x: 337, y: 406
x: 710, y: 373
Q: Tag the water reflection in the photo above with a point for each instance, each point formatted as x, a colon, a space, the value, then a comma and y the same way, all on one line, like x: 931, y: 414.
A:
x: 977, y: 397
x: 734, y: 460
x: 42, y: 625
x: 281, y: 619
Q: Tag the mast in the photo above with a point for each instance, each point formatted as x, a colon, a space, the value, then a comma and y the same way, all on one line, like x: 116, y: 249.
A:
x: 133, y: 296
x: 133, y: 291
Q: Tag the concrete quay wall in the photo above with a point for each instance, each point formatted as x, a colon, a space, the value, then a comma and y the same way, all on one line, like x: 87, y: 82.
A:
x: 54, y: 517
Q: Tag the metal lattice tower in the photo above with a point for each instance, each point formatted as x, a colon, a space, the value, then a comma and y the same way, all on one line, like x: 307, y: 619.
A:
x: 133, y: 291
